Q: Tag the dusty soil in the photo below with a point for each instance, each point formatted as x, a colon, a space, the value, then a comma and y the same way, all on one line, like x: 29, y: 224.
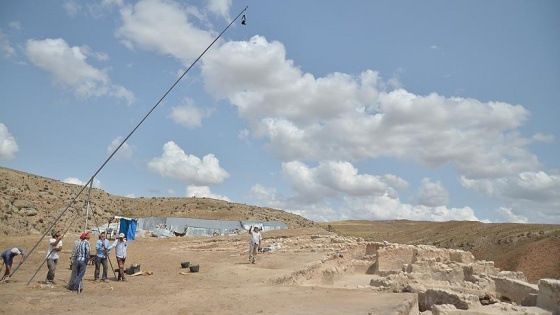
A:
x: 226, y: 282
x: 31, y: 204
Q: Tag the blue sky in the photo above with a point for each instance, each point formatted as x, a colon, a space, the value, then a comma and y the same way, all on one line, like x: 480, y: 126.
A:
x: 334, y: 110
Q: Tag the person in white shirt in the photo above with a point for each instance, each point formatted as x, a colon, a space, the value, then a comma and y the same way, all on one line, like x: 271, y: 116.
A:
x: 255, y: 243
x: 120, y: 246
x: 55, y: 246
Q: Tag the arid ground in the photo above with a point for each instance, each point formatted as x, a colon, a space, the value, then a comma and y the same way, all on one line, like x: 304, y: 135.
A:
x: 225, y: 284
x: 31, y: 205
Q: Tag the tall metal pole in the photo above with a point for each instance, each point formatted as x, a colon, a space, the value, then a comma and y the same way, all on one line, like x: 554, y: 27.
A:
x: 87, y: 205
x: 125, y: 139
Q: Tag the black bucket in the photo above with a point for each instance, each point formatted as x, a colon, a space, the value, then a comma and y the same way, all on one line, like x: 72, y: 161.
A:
x: 194, y: 268
x: 134, y: 268
x: 185, y: 264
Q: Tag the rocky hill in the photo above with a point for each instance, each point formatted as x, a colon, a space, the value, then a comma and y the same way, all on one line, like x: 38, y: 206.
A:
x: 31, y: 203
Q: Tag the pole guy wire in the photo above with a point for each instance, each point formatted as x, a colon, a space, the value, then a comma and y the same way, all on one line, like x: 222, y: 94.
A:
x: 90, y: 181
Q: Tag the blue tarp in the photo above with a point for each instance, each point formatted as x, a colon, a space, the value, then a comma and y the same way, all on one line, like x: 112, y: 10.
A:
x: 128, y: 227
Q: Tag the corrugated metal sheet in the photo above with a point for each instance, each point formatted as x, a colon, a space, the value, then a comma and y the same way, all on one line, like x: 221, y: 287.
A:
x: 201, y: 227
x: 265, y: 225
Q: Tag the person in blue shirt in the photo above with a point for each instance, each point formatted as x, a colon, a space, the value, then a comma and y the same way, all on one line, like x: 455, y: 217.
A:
x: 82, y: 257
x: 8, y: 257
x: 102, y: 247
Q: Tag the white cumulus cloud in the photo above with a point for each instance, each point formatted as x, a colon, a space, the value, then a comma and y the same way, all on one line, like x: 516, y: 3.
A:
x: 176, y: 164
x: 125, y: 151
x: 220, y: 7
x: 317, y: 193
x: 8, y: 144
x: 70, y: 69
x: 76, y: 181
x: 189, y: 115
x: 203, y: 192
x: 526, y: 195
x: 338, y: 120
x: 432, y: 194
x: 6, y: 49
x: 346, y: 117
x: 166, y: 27
x: 508, y: 216
x: 334, y: 178
x: 371, y: 207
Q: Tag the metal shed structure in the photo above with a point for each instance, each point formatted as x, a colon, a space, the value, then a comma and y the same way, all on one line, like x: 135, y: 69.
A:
x: 202, y: 227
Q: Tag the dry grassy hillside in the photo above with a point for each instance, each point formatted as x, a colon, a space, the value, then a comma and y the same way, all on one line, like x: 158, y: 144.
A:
x: 31, y: 203
x: 531, y: 248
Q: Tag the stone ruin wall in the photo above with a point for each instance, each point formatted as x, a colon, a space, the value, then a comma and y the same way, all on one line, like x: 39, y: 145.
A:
x: 447, y: 281
x: 449, y: 276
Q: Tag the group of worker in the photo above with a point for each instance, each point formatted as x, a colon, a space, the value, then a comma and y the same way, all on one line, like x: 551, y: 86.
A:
x: 79, y: 258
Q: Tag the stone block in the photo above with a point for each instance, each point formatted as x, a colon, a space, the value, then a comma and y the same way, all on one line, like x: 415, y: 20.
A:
x: 371, y: 248
x: 437, y: 272
x: 392, y: 259
x: 549, y: 295
x: 513, y: 289
x: 530, y: 300
x: 462, y: 301
x: 517, y: 275
x: 429, y: 253
x: 461, y: 256
x: 483, y: 267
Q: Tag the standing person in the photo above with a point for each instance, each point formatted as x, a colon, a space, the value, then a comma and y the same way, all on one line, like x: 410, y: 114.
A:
x: 55, y: 246
x: 120, y: 245
x: 102, y: 248
x: 82, y: 257
x: 8, y: 257
x: 255, y: 244
x: 74, y: 262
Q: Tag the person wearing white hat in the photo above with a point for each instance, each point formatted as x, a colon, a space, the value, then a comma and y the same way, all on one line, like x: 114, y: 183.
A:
x: 120, y: 246
x: 8, y: 257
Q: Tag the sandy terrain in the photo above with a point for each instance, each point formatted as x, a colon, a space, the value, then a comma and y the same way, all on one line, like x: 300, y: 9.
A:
x: 226, y: 282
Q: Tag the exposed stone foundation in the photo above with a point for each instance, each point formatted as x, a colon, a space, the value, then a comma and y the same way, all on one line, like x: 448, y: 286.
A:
x: 447, y: 281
